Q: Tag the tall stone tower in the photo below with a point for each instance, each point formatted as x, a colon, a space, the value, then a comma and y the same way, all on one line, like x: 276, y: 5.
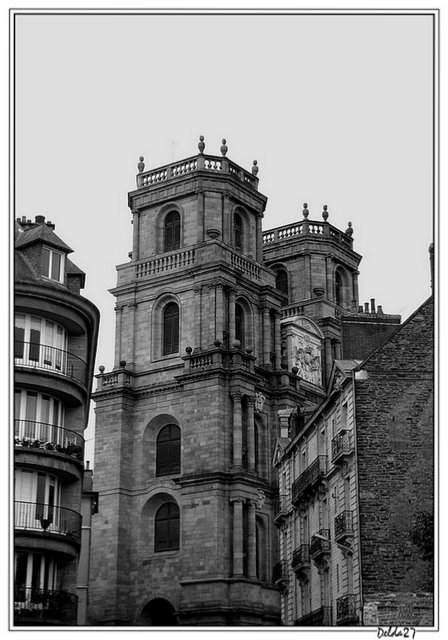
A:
x: 184, y: 427
x: 224, y: 335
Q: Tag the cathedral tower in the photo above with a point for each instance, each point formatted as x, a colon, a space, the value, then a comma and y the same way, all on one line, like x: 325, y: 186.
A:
x: 186, y: 421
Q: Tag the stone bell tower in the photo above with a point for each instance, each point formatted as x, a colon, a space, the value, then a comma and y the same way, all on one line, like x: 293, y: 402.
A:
x: 187, y: 419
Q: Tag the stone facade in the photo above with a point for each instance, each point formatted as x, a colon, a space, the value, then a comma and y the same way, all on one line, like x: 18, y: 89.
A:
x: 226, y: 337
x: 371, y: 495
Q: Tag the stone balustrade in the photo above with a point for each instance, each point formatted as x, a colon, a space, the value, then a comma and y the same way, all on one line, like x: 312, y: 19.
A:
x: 169, y: 262
x: 213, y: 164
x: 306, y: 228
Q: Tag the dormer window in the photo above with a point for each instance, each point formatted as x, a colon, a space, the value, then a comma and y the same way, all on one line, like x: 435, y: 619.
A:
x: 53, y: 264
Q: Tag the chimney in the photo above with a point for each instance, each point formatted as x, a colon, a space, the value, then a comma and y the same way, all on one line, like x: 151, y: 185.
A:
x: 380, y: 310
x: 366, y: 307
x: 39, y: 219
x: 372, y: 305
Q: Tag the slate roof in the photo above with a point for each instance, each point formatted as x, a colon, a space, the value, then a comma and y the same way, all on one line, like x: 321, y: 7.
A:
x: 41, y: 233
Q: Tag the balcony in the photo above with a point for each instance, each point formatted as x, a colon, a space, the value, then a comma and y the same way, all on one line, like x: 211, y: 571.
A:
x: 44, y: 607
x: 301, y: 561
x: 318, y: 618
x: 343, y: 527
x: 346, y: 610
x: 32, y: 436
x: 282, y: 508
x: 310, y: 479
x: 320, y: 544
x: 49, y: 359
x: 280, y: 575
x: 341, y: 446
x: 48, y: 520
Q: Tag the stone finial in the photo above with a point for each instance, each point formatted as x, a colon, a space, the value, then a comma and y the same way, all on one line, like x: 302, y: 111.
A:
x: 325, y: 212
x: 102, y: 368
x: 189, y: 350
x: 349, y: 230
x: 223, y: 147
x: 305, y: 211
x: 255, y: 168
x: 122, y: 363
x: 201, y: 144
x: 141, y: 165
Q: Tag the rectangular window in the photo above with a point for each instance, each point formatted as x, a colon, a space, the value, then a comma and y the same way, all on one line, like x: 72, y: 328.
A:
x: 53, y: 264
x: 19, y: 335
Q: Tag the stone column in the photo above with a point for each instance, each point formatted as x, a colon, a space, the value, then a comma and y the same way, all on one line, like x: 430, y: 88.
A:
x: 133, y: 311
x: 251, y: 540
x: 237, y: 536
x: 355, y: 291
x: 259, y: 238
x: 201, y: 215
x: 278, y: 344
x: 329, y: 281
x: 198, y: 316
x: 136, y: 234
x: 328, y: 357
x: 250, y: 434
x: 309, y: 284
x: 219, y: 310
x: 237, y: 397
x: 118, y: 341
x: 266, y: 336
x: 226, y: 222
x: 232, y: 298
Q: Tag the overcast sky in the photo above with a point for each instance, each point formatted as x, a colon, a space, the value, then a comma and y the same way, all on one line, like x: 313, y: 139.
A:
x: 337, y: 110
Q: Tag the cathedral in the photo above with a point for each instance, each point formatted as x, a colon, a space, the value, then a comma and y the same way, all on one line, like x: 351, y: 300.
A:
x: 228, y: 340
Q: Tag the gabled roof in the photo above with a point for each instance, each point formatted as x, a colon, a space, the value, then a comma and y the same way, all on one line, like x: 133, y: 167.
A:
x: 341, y: 370
x: 41, y: 233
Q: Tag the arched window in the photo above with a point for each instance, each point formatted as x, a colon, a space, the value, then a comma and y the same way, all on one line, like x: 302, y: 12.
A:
x: 281, y: 281
x: 338, y: 287
x: 172, y: 231
x: 171, y: 329
x: 168, y: 451
x: 238, y: 231
x: 166, y: 529
x: 239, y: 323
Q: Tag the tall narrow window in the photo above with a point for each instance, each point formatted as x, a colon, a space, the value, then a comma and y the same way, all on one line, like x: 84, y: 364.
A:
x: 167, y: 527
x: 171, y: 329
x: 172, y: 231
x: 281, y: 281
x: 239, y: 323
x: 168, y: 450
x: 238, y: 231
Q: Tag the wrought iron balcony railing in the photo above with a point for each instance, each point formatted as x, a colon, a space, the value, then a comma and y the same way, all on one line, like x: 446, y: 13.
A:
x: 320, y: 543
x: 49, y: 437
x: 341, y: 445
x: 38, y: 517
x: 39, y: 356
x: 44, y: 606
x: 343, y: 526
x: 346, y: 610
x: 318, y: 618
x: 301, y: 557
x: 310, y: 478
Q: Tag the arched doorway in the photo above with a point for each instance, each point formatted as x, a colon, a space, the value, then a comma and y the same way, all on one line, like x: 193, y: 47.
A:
x: 158, y: 613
